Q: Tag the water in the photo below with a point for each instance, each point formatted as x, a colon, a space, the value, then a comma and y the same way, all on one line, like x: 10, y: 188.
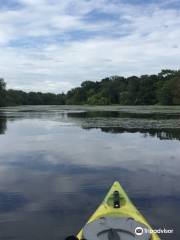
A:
x: 57, y: 163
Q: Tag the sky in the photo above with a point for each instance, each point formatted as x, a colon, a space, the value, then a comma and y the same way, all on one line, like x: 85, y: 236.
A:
x: 54, y: 45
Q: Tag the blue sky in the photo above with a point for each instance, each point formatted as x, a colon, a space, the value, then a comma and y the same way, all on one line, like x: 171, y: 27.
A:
x: 54, y: 45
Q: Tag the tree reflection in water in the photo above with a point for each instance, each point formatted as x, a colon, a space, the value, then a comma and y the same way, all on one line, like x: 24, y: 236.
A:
x: 3, y: 123
x: 162, y: 134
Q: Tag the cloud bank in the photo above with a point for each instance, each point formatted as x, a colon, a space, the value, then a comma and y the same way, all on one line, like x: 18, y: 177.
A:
x: 54, y: 45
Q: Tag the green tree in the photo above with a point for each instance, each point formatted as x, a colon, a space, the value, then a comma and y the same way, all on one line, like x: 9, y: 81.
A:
x: 76, y: 96
x: 133, y: 89
x: 123, y: 98
x: 2, y: 92
x: 165, y: 94
x: 16, y: 97
x: 176, y: 91
x: 98, y: 100
x: 162, y: 88
x: 146, y: 94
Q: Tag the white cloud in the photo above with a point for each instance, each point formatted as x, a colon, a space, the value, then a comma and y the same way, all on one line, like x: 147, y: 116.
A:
x: 141, y: 39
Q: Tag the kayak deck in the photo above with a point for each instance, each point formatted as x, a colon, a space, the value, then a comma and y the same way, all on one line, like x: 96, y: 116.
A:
x: 126, y: 209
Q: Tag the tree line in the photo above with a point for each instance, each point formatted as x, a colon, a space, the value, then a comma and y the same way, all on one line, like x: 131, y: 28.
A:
x: 162, y: 88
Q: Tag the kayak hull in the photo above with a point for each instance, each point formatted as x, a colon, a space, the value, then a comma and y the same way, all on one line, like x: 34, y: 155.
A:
x: 127, y: 209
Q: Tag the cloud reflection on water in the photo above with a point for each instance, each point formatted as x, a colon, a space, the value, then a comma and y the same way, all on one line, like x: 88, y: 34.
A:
x: 63, y: 171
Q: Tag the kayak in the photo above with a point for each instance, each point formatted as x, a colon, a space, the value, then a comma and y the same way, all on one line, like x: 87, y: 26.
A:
x: 117, y: 218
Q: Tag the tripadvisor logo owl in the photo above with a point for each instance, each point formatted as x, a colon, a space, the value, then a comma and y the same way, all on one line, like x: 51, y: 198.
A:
x: 139, y: 231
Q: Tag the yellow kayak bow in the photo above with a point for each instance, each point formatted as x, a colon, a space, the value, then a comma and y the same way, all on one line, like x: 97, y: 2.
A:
x: 126, y: 210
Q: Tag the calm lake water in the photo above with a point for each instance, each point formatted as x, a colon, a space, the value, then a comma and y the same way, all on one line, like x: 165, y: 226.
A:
x: 57, y: 163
